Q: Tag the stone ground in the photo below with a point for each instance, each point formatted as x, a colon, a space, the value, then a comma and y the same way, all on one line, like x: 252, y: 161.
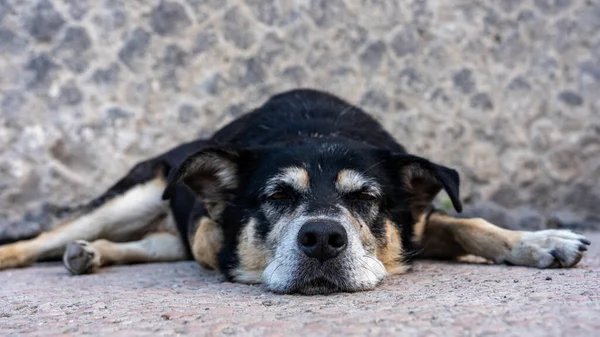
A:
x: 435, y: 299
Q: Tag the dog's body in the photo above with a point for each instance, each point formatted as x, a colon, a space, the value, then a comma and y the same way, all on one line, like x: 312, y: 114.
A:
x: 306, y: 194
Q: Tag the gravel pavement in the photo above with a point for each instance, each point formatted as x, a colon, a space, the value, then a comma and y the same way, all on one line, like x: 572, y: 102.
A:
x: 436, y: 298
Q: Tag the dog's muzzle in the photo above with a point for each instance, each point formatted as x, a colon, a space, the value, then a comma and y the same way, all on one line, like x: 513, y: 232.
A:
x: 322, y: 255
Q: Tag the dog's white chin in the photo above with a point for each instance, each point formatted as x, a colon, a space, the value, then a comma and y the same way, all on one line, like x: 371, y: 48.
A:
x: 359, y: 274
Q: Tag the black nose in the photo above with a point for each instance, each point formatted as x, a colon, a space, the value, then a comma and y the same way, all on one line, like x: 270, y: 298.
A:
x: 322, y: 240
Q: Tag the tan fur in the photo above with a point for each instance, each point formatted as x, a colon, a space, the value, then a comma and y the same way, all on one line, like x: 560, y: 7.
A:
x: 390, y: 251
x: 297, y: 177
x: 449, y: 237
x: 341, y: 176
x: 26, y: 252
x: 253, y: 257
x: 302, y: 178
x: 13, y: 256
x: 348, y: 181
x: 125, y: 217
x: 351, y: 181
x: 419, y: 229
x: 366, y: 237
x: 206, y: 243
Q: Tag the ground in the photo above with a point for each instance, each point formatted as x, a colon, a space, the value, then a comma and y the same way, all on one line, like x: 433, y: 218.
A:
x: 435, y: 298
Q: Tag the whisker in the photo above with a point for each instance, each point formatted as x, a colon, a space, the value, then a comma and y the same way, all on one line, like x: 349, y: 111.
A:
x: 413, y: 253
x: 366, y: 266
x: 372, y: 166
x: 279, y: 265
x: 372, y: 258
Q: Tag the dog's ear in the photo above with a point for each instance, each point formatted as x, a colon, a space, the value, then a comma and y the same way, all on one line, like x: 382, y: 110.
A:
x: 212, y: 174
x: 423, y: 180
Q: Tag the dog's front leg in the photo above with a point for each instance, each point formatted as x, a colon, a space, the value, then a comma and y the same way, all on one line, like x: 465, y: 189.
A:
x: 445, y: 237
x: 83, y: 257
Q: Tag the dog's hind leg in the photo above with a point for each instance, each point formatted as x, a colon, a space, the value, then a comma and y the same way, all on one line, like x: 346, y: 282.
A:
x: 446, y: 237
x: 123, y: 213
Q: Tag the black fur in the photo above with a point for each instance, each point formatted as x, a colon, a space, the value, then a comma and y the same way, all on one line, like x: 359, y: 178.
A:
x: 303, y: 127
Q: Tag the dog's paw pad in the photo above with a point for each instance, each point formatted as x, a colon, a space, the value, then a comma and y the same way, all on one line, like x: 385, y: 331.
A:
x: 550, y: 249
x: 81, y: 258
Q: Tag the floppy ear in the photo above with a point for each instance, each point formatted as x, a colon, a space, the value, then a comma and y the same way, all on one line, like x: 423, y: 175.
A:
x: 211, y: 174
x: 423, y: 180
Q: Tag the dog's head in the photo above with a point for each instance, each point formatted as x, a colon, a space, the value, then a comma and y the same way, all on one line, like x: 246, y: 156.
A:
x: 314, y: 217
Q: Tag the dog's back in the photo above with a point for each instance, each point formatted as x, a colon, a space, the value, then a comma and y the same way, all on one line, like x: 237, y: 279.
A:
x: 301, y: 114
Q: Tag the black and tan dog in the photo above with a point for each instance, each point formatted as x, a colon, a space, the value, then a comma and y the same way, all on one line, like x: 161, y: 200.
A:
x: 307, y: 194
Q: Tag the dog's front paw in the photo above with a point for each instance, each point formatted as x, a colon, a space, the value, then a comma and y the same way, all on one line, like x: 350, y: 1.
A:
x: 549, y: 249
x: 81, y: 258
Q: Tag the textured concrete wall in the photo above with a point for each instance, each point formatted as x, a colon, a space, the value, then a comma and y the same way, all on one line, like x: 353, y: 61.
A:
x: 506, y: 91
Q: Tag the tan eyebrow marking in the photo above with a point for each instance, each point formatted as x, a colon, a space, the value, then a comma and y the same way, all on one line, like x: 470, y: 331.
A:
x: 351, y: 181
x: 294, y: 176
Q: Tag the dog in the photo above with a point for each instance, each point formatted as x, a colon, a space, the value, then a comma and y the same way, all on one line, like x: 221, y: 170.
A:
x: 306, y: 194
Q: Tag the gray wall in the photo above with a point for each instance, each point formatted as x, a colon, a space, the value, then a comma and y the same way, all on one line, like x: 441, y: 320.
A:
x: 506, y: 91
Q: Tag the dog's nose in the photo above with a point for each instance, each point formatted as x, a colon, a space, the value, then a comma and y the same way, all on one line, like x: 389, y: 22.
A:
x: 322, y: 240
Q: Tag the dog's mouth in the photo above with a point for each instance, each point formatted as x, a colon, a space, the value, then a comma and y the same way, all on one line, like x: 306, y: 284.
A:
x: 318, y: 285
x: 316, y: 278
x: 313, y: 279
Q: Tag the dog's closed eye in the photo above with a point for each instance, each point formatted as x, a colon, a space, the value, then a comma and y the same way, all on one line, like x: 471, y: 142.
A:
x: 362, y: 196
x: 278, y: 196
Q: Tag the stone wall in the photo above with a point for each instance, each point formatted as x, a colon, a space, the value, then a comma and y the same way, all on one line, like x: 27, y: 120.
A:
x: 506, y: 91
